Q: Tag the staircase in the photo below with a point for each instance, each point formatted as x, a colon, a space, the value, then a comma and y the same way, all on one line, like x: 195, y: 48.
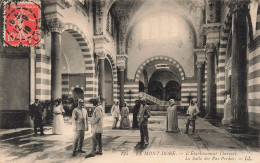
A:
x: 153, y: 100
x: 157, y: 107
x: 156, y: 101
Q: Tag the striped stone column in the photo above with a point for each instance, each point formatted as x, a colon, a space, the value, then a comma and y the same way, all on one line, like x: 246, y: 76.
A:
x: 122, y: 83
x: 199, y: 86
x: 212, y: 40
x: 239, y: 120
x: 101, y: 77
x: 211, y: 93
x: 200, y: 55
x: 56, y: 27
x: 121, y: 64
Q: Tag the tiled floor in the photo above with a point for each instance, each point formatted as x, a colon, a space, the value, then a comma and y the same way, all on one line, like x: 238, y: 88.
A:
x: 121, y: 145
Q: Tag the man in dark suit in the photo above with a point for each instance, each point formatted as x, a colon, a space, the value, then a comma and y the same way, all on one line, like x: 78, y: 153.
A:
x: 36, y: 111
x: 143, y: 115
x: 135, y: 114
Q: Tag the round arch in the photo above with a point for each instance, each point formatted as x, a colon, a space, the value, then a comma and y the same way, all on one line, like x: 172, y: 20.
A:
x: 133, y: 24
x: 225, y: 33
x: 82, y: 41
x: 173, y: 90
x: 147, y: 8
x: 155, y: 89
x: 169, y: 59
x: 77, y: 92
x: 223, y: 48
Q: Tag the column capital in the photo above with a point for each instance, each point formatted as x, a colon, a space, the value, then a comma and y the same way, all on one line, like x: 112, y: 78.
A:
x: 199, y: 64
x: 121, y: 68
x: 238, y: 5
x: 121, y: 57
x: 101, y: 38
x: 101, y: 55
x: 200, y: 54
x: 121, y: 61
x: 211, y: 48
x: 55, y: 25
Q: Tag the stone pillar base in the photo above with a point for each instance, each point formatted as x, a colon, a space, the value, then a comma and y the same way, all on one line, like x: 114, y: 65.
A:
x: 226, y: 121
x: 237, y: 129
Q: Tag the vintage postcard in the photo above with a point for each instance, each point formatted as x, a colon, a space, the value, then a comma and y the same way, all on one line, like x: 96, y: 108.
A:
x: 130, y: 81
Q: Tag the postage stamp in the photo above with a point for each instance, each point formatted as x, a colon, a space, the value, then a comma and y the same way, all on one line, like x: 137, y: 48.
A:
x: 22, y: 23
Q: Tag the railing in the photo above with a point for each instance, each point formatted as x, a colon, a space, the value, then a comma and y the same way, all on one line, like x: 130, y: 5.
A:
x: 156, y: 100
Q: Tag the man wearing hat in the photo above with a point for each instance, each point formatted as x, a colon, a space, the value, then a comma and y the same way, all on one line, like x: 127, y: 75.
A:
x: 36, y: 111
x: 80, y: 125
x: 96, y: 129
x: 192, y: 111
x: 143, y: 115
x: 115, y: 111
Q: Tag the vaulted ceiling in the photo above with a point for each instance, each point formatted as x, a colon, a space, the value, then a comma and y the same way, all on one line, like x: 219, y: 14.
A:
x: 131, y: 12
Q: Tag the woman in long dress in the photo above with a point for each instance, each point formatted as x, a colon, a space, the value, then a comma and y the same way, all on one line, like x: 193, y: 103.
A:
x: 58, y: 122
x: 172, y: 117
x: 124, y: 124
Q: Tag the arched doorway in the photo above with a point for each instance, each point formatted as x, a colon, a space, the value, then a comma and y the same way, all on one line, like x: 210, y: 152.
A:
x: 169, y: 78
x: 155, y: 89
x: 159, y: 68
x: 108, y: 84
x: 141, y: 86
x: 78, y: 93
x: 75, y: 50
x: 173, y: 91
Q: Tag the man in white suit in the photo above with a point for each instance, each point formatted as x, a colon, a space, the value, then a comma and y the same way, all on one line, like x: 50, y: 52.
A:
x: 97, y: 129
x: 115, y: 111
x: 80, y: 125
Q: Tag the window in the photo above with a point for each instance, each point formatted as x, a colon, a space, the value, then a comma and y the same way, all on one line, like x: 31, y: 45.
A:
x: 109, y: 23
x: 161, y: 26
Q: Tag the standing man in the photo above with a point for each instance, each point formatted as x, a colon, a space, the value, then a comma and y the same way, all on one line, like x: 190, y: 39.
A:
x: 115, y: 111
x: 135, y: 114
x: 192, y: 111
x: 36, y: 111
x: 97, y: 129
x: 80, y: 125
x: 143, y: 115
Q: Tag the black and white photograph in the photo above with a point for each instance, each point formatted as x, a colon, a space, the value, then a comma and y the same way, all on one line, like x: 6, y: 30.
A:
x: 129, y: 81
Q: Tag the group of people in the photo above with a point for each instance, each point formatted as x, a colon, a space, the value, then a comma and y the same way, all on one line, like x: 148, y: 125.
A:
x: 115, y: 111
x: 37, y: 115
x: 141, y: 114
x: 80, y: 125
x: 172, y: 117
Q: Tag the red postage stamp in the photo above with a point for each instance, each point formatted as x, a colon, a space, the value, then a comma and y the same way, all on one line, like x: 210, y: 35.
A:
x: 22, y: 23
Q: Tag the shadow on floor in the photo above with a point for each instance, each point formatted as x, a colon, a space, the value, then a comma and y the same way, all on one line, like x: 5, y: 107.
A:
x: 250, y: 137
x: 139, y: 148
